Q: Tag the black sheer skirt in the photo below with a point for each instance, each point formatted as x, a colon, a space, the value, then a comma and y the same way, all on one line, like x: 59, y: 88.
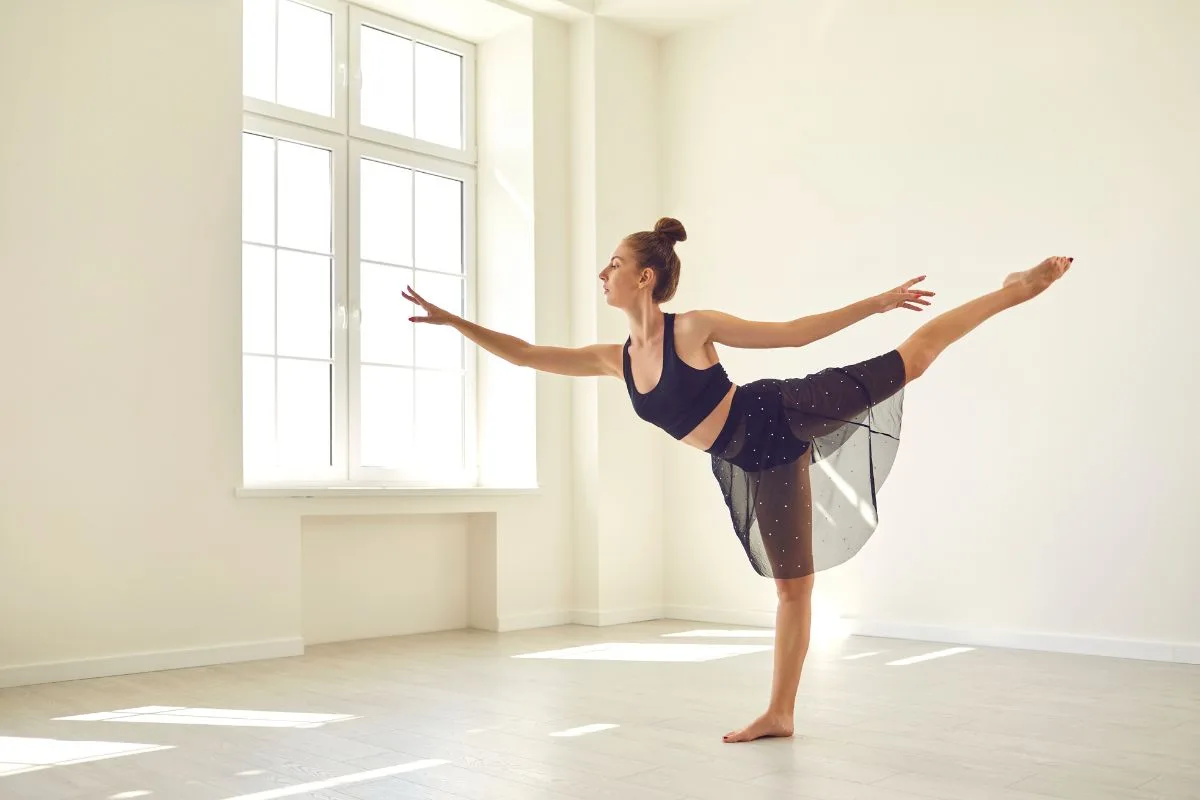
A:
x: 800, y: 461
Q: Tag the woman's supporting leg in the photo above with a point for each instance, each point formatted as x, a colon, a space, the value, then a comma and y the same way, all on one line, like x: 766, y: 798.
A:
x: 793, y: 623
x: 928, y: 342
x: 783, y: 509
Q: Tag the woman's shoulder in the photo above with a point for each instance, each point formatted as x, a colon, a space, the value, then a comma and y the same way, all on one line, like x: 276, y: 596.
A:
x: 694, y: 330
x: 694, y: 323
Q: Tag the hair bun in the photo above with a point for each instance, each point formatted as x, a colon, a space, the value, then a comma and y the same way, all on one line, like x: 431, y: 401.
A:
x: 671, y: 228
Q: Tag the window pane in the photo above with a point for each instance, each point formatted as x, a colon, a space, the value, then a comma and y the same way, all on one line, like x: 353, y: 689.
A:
x: 305, y: 58
x: 305, y: 305
x: 440, y: 346
x: 385, y: 212
x: 258, y: 49
x: 438, y: 96
x: 258, y: 299
x: 387, y: 335
x: 386, y: 97
x: 386, y: 414
x: 439, y: 430
x: 438, y: 228
x: 304, y: 406
x: 305, y: 197
x: 258, y: 412
x: 258, y: 188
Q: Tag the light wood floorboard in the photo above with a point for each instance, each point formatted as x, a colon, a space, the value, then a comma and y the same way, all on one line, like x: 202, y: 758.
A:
x: 985, y: 724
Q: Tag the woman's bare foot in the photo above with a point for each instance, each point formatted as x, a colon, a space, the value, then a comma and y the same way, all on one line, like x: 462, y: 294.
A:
x: 768, y: 725
x: 1037, y: 280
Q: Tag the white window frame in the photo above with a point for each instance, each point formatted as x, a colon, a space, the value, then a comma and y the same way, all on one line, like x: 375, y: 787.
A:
x: 378, y: 476
x: 360, y: 16
x: 340, y: 78
x: 349, y: 141
x: 292, y: 132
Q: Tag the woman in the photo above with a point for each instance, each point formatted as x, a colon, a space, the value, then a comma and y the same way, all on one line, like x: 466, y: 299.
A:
x: 798, y: 460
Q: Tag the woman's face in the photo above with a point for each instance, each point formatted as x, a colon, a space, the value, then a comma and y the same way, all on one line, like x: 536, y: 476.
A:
x: 621, y: 280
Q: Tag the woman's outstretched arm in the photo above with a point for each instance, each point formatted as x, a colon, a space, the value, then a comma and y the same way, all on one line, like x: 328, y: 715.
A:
x: 727, y: 329
x: 593, y: 360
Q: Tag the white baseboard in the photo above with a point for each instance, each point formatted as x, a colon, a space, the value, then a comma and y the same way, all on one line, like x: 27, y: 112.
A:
x: 615, y: 616
x: 1186, y: 654
x: 524, y: 622
x: 53, y: 672
x: 1174, y: 652
x: 624, y: 616
x: 720, y: 616
x: 595, y: 619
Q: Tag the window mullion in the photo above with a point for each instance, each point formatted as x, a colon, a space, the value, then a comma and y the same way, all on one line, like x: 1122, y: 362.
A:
x: 342, y: 266
x: 354, y: 306
x: 275, y: 266
x: 412, y: 209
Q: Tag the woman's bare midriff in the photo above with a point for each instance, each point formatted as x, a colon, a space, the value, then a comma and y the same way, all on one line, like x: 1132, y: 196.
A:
x: 704, y: 434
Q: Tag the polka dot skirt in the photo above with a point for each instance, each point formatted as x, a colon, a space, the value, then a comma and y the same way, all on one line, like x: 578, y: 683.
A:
x: 800, y: 462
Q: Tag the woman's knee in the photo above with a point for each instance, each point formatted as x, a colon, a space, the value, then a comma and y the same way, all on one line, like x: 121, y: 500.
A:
x: 794, y: 589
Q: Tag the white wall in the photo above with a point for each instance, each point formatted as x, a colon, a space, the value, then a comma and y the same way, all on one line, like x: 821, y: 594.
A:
x: 615, y: 191
x: 119, y: 220
x: 820, y: 152
x: 383, y: 576
x: 505, y: 283
x: 628, y: 199
x: 122, y: 543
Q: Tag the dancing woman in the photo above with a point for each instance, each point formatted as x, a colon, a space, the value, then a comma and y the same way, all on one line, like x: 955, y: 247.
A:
x: 798, y: 460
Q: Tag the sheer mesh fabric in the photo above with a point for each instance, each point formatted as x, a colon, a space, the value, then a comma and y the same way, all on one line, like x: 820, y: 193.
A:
x: 800, y: 462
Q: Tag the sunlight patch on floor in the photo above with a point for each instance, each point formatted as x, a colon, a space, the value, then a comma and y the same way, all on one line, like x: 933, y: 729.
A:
x: 950, y: 651
x: 345, y: 780
x: 177, y: 715
x: 20, y: 754
x: 584, y: 730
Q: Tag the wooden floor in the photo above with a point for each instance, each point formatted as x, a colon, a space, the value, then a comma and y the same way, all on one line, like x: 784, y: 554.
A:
x: 633, y: 712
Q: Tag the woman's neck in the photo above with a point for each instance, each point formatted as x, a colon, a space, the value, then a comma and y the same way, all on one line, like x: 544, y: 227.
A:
x: 646, y: 323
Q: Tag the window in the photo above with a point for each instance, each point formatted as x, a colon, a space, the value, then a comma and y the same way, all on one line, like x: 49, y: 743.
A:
x: 358, y: 180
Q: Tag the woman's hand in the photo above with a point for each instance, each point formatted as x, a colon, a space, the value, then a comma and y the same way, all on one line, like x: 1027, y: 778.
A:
x: 904, y: 296
x: 433, y: 314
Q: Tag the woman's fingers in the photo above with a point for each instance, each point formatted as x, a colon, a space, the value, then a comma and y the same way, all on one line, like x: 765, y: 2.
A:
x: 412, y: 296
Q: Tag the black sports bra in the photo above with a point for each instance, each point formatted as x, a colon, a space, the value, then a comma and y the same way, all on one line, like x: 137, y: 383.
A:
x: 684, y: 395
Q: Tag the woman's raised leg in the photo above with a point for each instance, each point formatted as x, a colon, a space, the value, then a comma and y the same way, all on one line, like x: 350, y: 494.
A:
x: 928, y: 341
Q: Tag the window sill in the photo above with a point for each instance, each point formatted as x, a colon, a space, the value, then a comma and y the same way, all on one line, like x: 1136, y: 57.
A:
x: 356, y: 492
